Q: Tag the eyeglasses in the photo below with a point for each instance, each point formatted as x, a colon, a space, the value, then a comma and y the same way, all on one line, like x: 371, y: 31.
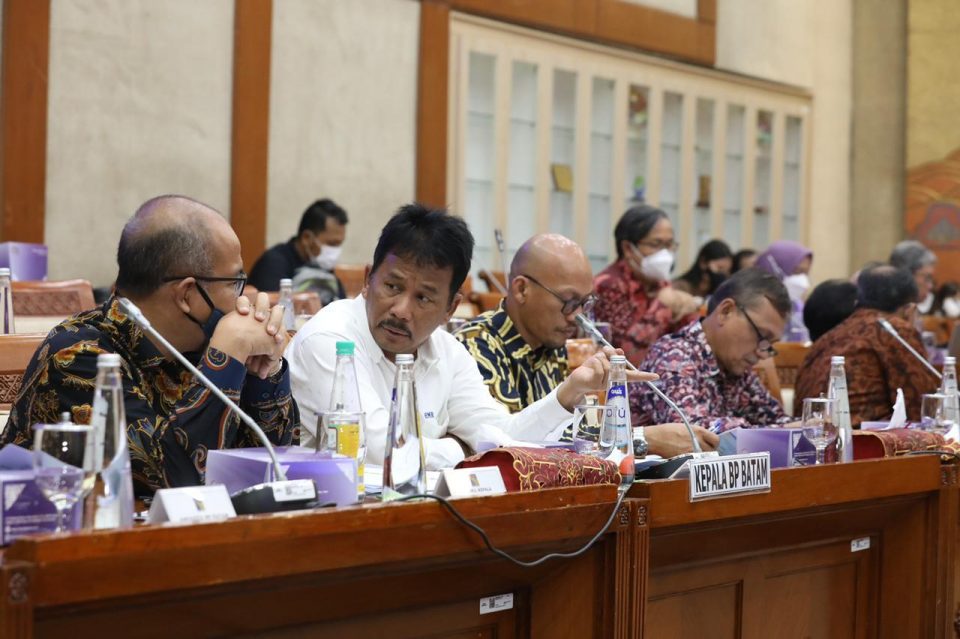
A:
x: 659, y: 245
x: 763, y: 344
x: 239, y: 281
x: 569, y: 305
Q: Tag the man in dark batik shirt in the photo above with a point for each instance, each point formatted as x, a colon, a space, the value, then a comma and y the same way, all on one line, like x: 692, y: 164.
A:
x: 520, y: 348
x: 179, y: 261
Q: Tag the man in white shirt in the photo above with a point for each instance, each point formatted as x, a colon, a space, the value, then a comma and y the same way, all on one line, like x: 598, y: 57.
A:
x: 421, y: 260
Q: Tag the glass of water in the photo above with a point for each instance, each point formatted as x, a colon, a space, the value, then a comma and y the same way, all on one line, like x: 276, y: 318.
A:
x: 819, y: 424
x: 587, y: 422
x: 933, y: 416
x: 63, y: 462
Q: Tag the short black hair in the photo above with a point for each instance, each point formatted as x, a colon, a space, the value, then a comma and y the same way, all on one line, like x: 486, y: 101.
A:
x: 886, y: 288
x: 145, y: 255
x: 740, y: 256
x: 828, y: 305
x: 315, y: 217
x: 746, y: 287
x: 430, y: 237
x: 635, y: 224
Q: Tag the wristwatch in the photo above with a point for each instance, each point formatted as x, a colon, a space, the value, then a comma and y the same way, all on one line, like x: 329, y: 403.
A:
x: 640, y: 447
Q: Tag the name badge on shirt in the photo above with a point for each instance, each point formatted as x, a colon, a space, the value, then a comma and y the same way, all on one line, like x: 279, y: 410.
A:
x: 731, y: 475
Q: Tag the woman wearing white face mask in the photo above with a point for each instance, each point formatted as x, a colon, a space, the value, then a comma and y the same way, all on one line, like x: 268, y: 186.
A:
x: 634, y: 293
x: 790, y: 261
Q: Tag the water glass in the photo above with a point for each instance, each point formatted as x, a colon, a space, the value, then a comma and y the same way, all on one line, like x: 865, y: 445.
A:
x: 587, y: 423
x: 63, y: 461
x: 819, y: 423
x: 933, y: 415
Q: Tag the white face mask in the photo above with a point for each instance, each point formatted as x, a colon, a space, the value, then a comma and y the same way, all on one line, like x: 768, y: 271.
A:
x: 328, y: 257
x: 926, y: 304
x: 657, y: 266
x: 797, y: 285
x: 951, y: 307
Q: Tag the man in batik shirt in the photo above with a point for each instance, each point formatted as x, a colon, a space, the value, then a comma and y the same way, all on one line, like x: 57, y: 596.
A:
x: 707, y: 367
x: 520, y: 347
x: 179, y: 261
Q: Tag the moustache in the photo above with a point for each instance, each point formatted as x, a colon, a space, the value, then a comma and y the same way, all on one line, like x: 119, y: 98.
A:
x: 397, y: 326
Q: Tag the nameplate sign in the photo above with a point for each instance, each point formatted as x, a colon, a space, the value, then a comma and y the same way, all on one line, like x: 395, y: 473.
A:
x: 470, y: 482
x: 191, y: 504
x: 730, y: 475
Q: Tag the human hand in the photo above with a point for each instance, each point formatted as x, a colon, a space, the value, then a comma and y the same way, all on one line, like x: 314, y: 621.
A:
x: 670, y: 440
x: 679, y: 302
x: 592, y: 376
x: 253, y: 334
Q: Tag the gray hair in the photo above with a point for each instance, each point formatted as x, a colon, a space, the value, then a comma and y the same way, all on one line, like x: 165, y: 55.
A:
x: 912, y: 255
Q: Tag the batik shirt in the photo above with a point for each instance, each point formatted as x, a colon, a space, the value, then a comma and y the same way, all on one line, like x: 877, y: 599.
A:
x: 691, y: 376
x: 876, y: 365
x: 173, y: 421
x: 636, y: 318
x: 516, y: 374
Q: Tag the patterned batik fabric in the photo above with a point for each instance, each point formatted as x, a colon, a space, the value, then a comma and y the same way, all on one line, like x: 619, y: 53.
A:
x: 516, y: 374
x: 875, y: 363
x: 172, y: 420
x: 691, y: 376
x: 637, y: 318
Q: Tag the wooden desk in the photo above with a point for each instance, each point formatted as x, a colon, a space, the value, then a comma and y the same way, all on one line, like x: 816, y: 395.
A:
x: 398, y: 570
x: 781, y: 564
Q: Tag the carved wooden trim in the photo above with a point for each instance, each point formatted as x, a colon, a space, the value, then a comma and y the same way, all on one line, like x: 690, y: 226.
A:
x: 16, y: 604
x: 948, y: 475
x: 9, y: 386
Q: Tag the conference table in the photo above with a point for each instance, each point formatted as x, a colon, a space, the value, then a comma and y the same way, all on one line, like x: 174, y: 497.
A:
x: 865, y: 549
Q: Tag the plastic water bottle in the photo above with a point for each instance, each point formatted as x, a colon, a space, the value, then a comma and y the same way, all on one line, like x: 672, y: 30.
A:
x: 343, y: 423
x: 948, y: 387
x: 286, y: 301
x: 404, y: 463
x: 6, y: 303
x: 112, y: 497
x: 837, y: 389
x: 616, y: 443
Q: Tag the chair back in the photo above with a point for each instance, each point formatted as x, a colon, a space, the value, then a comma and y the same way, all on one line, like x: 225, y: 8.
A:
x: 579, y: 350
x: 63, y: 298
x: 941, y: 327
x: 488, y: 278
x: 787, y: 361
x: 15, y: 353
x: 486, y: 301
x: 352, y: 276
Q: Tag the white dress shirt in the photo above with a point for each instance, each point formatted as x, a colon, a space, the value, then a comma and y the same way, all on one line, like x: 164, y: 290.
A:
x: 451, y: 396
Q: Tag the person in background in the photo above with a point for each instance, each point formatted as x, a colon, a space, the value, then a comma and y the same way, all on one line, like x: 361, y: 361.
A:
x: 920, y: 262
x: 744, y: 258
x: 520, y: 348
x: 179, y: 262
x: 634, y: 293
x: 790, y: 262
x: 829, y: 303
x: 707, y: 366
x: 876, y: 363
x: 945, y: 302
x: 713, y: 265
x: 309, y: 257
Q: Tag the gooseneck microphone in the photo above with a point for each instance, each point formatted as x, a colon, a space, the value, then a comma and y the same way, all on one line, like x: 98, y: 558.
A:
x: 888, y: 327
x: 594, y: 332
x: 284, y: 493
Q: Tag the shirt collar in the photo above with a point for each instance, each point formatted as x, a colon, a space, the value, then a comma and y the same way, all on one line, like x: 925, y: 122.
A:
x: 514, y: 344
x: 694, y: 333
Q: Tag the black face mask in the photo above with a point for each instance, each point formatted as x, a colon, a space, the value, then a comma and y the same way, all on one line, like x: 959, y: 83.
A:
x: 210, y: 325
x: 716, y: 279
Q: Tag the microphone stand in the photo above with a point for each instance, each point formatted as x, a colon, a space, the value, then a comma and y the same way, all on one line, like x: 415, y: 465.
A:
x: 888, y: 327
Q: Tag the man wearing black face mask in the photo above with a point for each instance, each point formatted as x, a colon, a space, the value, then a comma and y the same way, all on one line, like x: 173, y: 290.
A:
x: 179, y: 261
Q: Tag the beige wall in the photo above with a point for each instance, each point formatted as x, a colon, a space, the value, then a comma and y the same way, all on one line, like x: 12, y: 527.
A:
x: 342, y: 113
x: 807, y: 44
x: 139, y: 105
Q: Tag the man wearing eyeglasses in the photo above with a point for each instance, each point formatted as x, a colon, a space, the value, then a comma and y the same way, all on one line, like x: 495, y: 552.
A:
x: 707, y: 366
x: 179, y: 261
x: 520, y: 348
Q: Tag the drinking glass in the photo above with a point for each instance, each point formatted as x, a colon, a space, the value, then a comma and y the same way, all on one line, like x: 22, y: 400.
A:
x: 63, y: 460
x: 819, y: 425
x: 933, y: 414
x: 587, y: 422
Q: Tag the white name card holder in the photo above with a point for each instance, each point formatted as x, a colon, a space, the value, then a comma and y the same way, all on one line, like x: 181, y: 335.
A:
x: 191, y: 504
x: 470, y: 482
x: 729, y: 475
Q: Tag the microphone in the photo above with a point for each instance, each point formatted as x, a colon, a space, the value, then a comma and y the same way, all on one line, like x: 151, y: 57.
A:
x: 590, y: 327
x: 496, y: 281
x: 888, y: 327
x: 502, y: 247
x: 280, y: 494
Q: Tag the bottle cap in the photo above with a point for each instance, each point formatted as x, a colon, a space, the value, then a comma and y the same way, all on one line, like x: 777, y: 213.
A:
x: 836, y: 359
x: 618, y: 359
x: 404, y: 358
x: 345, y: 348
x: 286, y: 283
x: 4, y: 272
x: 949, y: 361
x: 108, y: 360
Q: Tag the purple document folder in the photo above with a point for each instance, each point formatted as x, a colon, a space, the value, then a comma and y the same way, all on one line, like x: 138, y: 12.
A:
x: 27, y: 262
x: 239, y: 468
x: 23, y: 508
x: 787, y: 446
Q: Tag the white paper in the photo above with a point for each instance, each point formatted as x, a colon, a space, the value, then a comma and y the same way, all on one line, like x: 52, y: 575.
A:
x: 899, y: 418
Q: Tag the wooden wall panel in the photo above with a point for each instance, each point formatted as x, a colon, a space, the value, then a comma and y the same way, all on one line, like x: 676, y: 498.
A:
x: 251, y: 125
x: 432, y: 91
x: 23, y: 119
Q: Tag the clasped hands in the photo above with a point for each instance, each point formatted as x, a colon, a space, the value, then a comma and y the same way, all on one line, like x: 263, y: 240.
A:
x: 254, y: 335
